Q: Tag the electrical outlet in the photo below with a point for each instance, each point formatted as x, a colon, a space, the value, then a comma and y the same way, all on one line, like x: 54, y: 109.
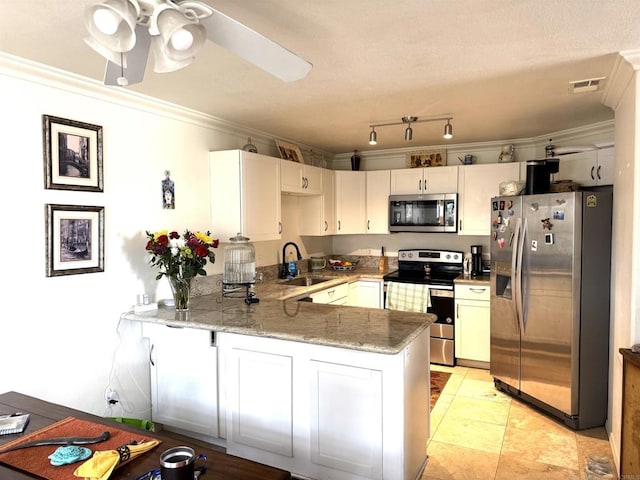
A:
x: 111, y: 397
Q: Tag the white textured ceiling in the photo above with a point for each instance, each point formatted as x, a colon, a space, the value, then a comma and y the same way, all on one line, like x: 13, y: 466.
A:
x: 500, y: 67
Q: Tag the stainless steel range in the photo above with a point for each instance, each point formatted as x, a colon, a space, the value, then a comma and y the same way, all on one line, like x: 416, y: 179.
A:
x: 437, y: 269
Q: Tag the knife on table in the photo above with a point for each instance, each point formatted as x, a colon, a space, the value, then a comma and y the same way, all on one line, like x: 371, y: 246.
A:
x: 61, y: 441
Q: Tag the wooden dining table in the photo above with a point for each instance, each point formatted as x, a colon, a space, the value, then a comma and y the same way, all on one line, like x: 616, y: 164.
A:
x: 44, y: 414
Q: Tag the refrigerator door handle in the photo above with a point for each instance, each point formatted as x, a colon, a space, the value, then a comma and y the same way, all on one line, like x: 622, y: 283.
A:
x: 517, y: 272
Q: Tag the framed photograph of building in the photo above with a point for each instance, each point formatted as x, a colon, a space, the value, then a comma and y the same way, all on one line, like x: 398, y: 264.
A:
x: 74, y: 239
x: 72, y: 155
x: 289, y: 151
x: 427, y: 158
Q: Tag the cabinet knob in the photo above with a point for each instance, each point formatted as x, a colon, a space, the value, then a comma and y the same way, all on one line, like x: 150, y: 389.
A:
x: 598, y: 172
x: 368, y: 224
x: 592, y: 170
x: 326, y: 226
x: 338, y: 224
x: 279, y: 227
x: 420, y: 185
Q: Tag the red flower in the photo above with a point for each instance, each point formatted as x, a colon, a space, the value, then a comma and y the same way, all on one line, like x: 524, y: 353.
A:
x: 214, y: 244
x: 201, y: 251
x: 162, y: 240
x: 174, y: 235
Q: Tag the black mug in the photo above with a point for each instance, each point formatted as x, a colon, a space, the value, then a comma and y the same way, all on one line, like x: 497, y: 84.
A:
x: 179, y: 463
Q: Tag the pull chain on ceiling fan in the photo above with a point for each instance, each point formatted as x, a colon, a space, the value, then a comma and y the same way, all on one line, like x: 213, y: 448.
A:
x: 125, y: 31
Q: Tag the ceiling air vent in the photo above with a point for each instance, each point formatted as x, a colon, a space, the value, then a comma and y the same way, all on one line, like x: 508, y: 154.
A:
x: 588, y: 85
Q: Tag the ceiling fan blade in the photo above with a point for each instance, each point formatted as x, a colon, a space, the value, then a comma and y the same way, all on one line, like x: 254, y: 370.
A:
x: 255, y: 48
x: 136, y: 61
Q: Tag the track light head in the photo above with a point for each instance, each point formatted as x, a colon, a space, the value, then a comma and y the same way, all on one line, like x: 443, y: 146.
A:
x: 373, y: 137
x: 448, y: 131
x: 408, y: 133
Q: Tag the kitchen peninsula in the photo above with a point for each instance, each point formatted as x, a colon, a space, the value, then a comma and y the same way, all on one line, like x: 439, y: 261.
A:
x: 323, y: 391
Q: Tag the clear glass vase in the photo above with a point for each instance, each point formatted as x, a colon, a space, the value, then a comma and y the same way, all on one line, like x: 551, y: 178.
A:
x: 181, y: 289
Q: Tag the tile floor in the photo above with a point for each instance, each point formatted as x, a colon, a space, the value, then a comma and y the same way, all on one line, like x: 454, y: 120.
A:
x: 480, y: 433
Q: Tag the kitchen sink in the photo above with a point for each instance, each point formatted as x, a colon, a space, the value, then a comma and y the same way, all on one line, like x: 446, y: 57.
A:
x: 305, y: 281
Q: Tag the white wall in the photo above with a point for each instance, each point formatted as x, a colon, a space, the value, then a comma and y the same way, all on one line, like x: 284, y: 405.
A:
x: 62, y: 339
x: 626, y: 237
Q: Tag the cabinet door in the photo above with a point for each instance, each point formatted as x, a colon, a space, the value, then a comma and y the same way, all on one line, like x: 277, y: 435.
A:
x: 346, y: 419
x: 245, y: 195
x: 378, y: 201
x: 477, y: 184
x: 366, y: 293
x: 312, y: 179
x: 317, y: 212
x: 579, y: 167
x: 605, y: 171
x: 291, y: 176
x: 406, y: 181
x: 472, y: 330
x: 261, y: 198
x: 260, y: 401
x: 351, y: 197
x: 441, y: 179
x: 184, y: 388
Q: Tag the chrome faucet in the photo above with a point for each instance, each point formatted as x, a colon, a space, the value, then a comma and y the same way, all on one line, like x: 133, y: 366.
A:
x: 284, y: 272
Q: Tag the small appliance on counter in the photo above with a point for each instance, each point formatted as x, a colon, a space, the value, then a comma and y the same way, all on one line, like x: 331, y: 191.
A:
x: 239, y: 268
x: 476, y: 260
x: 539, y: 175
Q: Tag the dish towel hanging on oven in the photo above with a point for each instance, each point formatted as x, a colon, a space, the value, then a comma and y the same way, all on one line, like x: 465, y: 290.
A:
x: 408, y: 297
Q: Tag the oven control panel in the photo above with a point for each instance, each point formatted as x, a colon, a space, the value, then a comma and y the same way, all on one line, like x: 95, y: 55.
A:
x: 430, y: 256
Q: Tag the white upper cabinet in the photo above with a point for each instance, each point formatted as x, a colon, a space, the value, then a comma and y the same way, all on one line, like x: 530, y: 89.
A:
x: 477, y: 184
x: 317, y: 212
x: 299, y: 178
x: 424, y: 180
x: 245, y: 195
x: 378, y: 201
x: 351, y: 198
x: 594, y: 167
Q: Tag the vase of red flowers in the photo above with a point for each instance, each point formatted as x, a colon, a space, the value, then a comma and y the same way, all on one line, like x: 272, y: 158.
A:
x: 180, y: 258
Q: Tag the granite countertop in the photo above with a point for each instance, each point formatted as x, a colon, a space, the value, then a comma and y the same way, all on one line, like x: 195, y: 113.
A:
x: 279, y: 315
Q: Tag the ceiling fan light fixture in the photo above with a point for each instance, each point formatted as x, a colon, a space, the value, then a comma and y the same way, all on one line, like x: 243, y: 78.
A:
x: 181, y: 37
x: 448, y: 130
x: 111, y: 26
x: 105, y: 20
x: 162, y: 62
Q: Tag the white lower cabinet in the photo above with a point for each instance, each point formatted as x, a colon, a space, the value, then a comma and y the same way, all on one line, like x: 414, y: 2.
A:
x: 346, y: 436
x: 366, y: 293
x: 472, y: 323
x: 184, y: 378
x: 325, y: 412
x: 261, y: 392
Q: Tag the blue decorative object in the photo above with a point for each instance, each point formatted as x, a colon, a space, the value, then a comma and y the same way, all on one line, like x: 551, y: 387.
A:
x: 69, y: 454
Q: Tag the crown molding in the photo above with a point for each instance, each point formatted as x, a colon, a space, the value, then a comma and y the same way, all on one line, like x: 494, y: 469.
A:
x: 37, y: 73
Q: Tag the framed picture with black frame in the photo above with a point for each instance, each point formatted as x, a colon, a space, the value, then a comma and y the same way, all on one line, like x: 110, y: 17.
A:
x: 72, y: 155
x: 74, y: 239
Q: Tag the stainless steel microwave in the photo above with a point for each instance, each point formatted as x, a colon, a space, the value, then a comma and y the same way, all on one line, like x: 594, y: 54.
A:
x: 423, y: 213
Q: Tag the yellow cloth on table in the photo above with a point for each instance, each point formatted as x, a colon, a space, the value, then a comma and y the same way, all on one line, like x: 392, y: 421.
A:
x: 408, y: 297
x: 102, y: 464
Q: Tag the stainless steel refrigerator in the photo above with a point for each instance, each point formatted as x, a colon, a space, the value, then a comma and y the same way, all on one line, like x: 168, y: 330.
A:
x: 550, y: 293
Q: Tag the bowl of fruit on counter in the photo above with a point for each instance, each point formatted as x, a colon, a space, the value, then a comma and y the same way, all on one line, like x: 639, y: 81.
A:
x: 339, y: 264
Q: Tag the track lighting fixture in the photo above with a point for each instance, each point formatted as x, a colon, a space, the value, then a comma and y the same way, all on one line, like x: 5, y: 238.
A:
x: 408, y: 132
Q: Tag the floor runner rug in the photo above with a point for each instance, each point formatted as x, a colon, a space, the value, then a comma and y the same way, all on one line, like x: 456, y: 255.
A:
x: 438, y: 381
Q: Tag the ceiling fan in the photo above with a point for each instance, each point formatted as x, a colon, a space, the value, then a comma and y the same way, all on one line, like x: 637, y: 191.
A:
x: 126, y: 31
